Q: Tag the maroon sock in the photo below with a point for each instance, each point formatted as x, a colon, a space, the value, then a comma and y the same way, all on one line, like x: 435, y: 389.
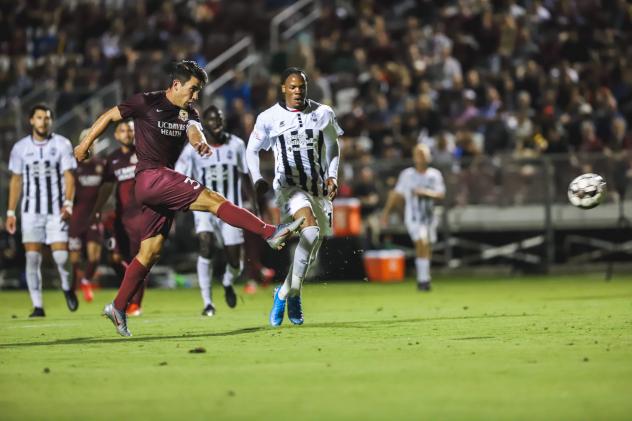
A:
x: 91, y: 267
x: 134, y: 276
x: 140, y: 292
x: 241, y: 218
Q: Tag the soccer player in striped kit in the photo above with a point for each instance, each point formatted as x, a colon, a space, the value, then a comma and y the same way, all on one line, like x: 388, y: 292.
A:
x: 419, y: 187
x: 164, y: 121
x: 42, y: 166
x: 304, y: 136
x: 226, y: 173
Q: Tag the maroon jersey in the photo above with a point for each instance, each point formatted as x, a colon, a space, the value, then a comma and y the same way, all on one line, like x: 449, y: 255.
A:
x: 89, y: 176
x: 120, y: 169
x: 160, y: 128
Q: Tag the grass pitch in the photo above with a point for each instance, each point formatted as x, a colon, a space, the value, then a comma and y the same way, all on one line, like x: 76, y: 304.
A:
x: 472, y: 349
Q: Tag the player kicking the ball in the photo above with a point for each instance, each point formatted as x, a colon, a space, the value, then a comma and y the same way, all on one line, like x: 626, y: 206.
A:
x: 164, y: 121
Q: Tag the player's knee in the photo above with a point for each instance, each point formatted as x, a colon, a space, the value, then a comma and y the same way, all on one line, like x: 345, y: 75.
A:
x: 206, y: 245
x: 310, y: 235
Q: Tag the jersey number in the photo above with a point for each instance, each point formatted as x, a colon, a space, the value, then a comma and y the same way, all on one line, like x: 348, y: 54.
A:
x: 192, y: 182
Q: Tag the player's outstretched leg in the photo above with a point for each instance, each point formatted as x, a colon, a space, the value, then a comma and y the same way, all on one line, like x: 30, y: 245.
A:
x: 276, y: 237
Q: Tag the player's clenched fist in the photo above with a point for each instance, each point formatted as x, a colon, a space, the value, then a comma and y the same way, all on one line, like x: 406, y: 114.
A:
x: 204, y: 149
x: 81, y: 153
x: 332, y: 187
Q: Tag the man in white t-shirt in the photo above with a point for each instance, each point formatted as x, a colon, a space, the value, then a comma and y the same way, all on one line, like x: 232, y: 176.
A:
x: 419, y: 187
x: 42, y: 166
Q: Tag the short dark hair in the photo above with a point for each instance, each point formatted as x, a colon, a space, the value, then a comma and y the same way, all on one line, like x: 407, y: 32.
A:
x: 42, y: 107
x: 124, y: 121
x: 183, y: 70
x: 293, y: 71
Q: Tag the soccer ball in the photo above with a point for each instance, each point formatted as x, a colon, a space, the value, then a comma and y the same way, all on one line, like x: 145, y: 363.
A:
x: 587, y: 191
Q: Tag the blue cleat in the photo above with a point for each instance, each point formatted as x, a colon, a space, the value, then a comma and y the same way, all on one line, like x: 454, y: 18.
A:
x: 278, y: 308
x: 295, y: 310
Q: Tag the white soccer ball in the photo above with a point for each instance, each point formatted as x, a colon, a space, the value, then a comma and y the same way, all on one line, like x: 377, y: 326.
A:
x: 587, y: 191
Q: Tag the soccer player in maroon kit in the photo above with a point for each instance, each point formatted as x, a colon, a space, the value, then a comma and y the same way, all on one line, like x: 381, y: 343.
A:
x: 164, y: 121
x: 86, y: 232
x: 119, y: 171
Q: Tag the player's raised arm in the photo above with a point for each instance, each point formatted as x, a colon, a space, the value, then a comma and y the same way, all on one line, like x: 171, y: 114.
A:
x: 99, y: 126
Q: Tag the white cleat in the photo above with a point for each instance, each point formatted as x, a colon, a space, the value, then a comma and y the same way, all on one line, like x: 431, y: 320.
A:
x: 283, y: 232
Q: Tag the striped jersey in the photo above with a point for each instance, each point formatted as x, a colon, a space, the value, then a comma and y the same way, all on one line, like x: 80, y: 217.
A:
x: 419, y: 209
x: 42, y: 165
x: 220, y: 172
x: 305, y: 144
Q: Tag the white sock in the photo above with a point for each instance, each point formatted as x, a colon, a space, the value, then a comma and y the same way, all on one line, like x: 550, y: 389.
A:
x: 34, y: 277
x: 61, y: 259
x: 204, y: 279
x: 302, y: 257
x: 285, y: 288
x: 423, y: 269
x: 230, y: 274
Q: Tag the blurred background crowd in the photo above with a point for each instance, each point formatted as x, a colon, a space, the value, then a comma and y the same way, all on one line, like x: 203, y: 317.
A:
x: 475, y: 79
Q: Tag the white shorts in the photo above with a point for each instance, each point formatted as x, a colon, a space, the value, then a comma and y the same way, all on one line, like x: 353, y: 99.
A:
x: 225, y: 233
x: 44, y: 229
x: 291, y: 199
x: 418, y: 232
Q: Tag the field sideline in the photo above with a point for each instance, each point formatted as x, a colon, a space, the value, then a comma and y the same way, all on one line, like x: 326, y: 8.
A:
x: 473, y: 349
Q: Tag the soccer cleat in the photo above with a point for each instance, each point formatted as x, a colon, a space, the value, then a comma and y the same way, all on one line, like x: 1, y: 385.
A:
x: 86, y: 288
x: 37, y: 312
x: 229, y: 295
x: 283, y: 232
x: 134, y: 310
x: 118, y: 318
x: 295, y: 310
x: 423, y: 286
x: 209, y: 311
x: 71, y: 300
x: 278, y: 308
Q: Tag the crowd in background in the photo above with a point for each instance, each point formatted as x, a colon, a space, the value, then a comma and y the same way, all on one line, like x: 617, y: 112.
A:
x: 477, y: 80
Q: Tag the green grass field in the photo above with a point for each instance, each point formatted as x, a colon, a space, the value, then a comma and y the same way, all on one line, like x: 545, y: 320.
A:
x: 473, y: 349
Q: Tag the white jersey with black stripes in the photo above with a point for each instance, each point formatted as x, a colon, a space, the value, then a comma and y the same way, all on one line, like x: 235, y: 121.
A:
x: 305, y: 144
x: 419, y: 209
x: 42, y: 165
x: 221, y: 171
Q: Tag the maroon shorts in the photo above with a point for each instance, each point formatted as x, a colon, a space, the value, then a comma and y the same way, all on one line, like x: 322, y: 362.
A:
x: 78, y: 238
x: 161, y: 192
